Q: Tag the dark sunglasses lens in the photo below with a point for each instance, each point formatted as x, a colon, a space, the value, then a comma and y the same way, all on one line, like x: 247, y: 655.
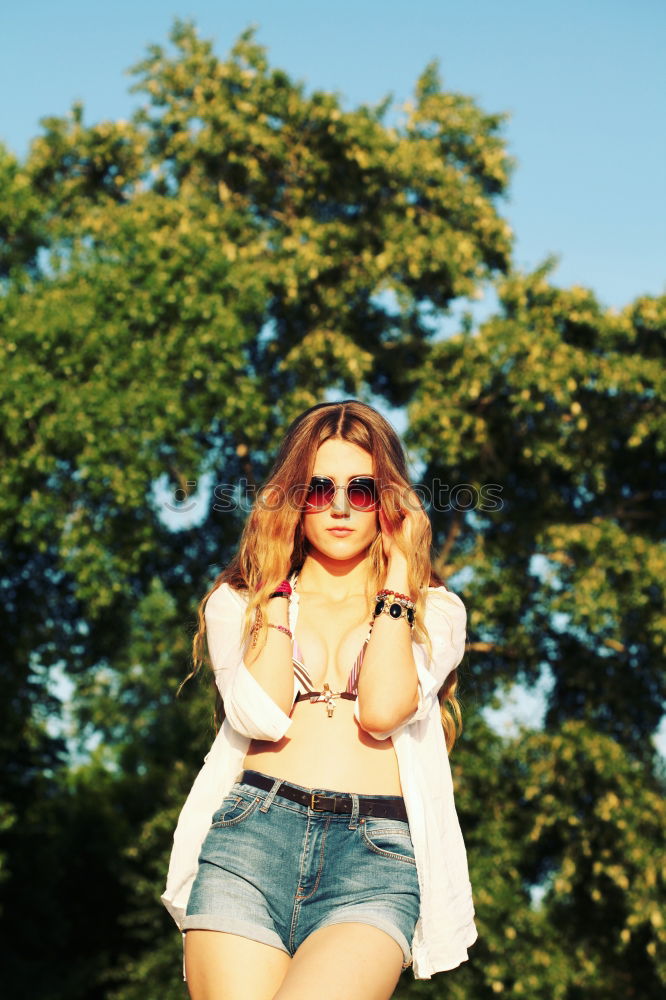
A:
x: 320, y: 492
x: 362, y: 494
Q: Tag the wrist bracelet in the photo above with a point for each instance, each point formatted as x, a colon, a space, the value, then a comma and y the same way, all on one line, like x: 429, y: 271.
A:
x: 394, y: 593
x: 282, y: 590
x: 282, y: 628
x: 396, y: 609
x: 256, y: 626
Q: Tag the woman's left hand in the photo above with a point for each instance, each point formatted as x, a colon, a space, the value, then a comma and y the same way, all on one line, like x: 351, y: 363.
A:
x: 400, y: 541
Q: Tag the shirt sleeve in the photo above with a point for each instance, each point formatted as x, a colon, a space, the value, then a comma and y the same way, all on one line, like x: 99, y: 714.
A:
x: 247, y: 705
x: 446, y: 624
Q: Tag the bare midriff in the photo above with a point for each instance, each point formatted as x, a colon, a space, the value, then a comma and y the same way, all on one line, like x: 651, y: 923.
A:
x: 322, y: 752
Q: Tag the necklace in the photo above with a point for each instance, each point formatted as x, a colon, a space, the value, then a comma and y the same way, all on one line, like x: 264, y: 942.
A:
x: 327, y: 695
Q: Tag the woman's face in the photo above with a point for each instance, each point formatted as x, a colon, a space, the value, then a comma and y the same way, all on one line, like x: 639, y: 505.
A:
x: 341, y: 461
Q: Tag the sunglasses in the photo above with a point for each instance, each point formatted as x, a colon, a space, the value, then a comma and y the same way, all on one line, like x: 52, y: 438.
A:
x: 361, y: 493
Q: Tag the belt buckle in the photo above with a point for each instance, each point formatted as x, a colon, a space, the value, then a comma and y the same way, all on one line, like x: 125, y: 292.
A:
x: 313, y: 796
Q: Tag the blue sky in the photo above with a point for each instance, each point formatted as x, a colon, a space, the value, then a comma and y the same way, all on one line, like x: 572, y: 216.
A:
x: 583, y: 81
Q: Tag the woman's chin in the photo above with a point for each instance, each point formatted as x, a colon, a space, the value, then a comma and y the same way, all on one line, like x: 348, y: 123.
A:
x: 340, y: 548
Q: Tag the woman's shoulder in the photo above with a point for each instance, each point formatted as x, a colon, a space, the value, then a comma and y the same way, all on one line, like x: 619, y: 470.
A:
x: 225, y: 597
x: 444, y: 606
x: 440, y: 596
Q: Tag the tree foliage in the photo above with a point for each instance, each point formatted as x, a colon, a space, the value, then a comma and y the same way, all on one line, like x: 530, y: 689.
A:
x: 174, y: 290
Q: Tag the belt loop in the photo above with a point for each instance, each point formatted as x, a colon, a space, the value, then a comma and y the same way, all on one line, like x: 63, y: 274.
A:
x: 353, y: 822
x: 271, y: 795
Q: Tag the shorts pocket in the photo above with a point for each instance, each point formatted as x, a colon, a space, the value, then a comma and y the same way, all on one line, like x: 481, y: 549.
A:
x: 235, y: 807
x: 390, y: 838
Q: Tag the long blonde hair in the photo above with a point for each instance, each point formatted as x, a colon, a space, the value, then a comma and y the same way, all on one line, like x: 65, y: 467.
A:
x: 273, y: 544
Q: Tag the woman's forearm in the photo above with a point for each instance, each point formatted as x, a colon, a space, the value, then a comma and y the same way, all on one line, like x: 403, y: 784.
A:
x: 271, y: 664
x: 388, y: 682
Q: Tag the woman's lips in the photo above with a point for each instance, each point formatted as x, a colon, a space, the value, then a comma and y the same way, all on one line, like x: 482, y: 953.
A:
x: 340, y: 532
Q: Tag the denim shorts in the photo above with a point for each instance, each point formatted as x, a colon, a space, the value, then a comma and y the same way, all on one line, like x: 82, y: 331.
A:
x: 274, y: 870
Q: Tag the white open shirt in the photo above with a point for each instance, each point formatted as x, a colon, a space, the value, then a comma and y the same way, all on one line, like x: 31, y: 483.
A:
x: 445, y: 928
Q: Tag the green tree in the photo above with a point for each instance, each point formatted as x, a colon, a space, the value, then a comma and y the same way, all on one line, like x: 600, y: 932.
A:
x: 175, y: 289
x: 558, y: 402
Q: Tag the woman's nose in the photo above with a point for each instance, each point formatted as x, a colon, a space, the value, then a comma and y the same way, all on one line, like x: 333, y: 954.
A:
x: 340, y: 505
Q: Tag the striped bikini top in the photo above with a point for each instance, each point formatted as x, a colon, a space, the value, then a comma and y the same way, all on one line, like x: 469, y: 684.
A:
x: 306, y: 689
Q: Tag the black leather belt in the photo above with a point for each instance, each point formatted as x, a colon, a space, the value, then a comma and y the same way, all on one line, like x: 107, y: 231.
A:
x: 342, y: 803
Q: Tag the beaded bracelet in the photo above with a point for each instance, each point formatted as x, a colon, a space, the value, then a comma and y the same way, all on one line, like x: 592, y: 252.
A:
x: 282, y: 628
x: 257, y: 625
x: 396, y: 609
x: 258, y: 621
x: 394, y: 593
x: 282, y: 590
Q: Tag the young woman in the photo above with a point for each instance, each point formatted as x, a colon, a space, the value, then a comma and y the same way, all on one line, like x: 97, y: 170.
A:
x: 319, y: 851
